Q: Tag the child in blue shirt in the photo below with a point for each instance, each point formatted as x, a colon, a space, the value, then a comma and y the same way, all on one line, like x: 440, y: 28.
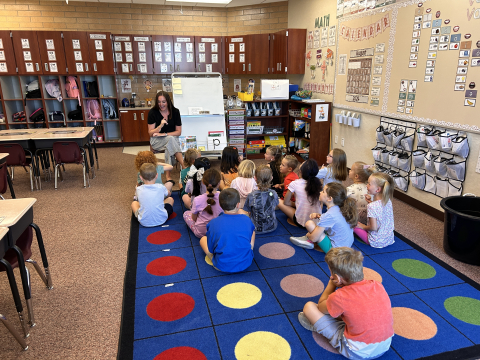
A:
x: 230, y: 237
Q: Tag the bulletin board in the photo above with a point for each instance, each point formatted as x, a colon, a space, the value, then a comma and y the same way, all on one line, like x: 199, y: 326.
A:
x: 431, y: 62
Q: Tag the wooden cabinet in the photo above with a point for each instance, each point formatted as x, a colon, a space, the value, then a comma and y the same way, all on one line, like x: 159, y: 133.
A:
x: 257, y: 54
x: 76, y: 52
x: 287, y: 51
x: 142, y: 54
x: 184, y: 56
x: 235, y: 54
x: 134, y: 125
x: 101, y: 53
x: 52, y: 52
x: 27, y: 53
x: 123, y: 49
x: 163, y: 57
x: 209, y: 54
x: 7, y: 56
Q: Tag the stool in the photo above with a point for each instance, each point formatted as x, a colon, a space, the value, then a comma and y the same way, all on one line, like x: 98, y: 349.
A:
x: 163, y: 152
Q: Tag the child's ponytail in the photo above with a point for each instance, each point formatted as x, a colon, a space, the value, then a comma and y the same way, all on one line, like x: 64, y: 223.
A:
x: 386, y: 183
x: 309, y: 170
x: 339, y: 165
x: 211, y: 179
x: 276, y: 152
x: 348, y: 206
x: 196, y: 173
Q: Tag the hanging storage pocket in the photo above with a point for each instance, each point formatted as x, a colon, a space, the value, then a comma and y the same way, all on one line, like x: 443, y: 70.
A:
x: 433, y: 139
x: 404, y: 161
x: 430, y: 185
x: 376, y: 152
x: 446, y: 139
x: 428, y: 162
x: 456, y: 169
x: 440, y: 166
x: 442, y: 187
x: 388, y: 137
x: 407, y: 141
x: 401, y: 182
x: 398, y: 135
x: 379, y: 132
x: 422, y: 132
x: 455, y: 187
x: 417, y: 179
x: 393, y: 158
x: 460, y: 146
x: 418, y: 158
x: 384, y: 155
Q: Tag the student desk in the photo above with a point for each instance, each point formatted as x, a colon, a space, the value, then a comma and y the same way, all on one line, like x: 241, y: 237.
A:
x: 3, y: 159
x: 16, y: 296
x: 17, y: 216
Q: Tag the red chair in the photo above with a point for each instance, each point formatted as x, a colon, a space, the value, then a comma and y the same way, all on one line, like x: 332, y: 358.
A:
x: 68, y: 152
x: 16, y: 157
x: 3, y: 179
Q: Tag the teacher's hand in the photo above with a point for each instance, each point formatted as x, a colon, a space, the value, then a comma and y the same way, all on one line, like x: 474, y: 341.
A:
x: 163, y: 122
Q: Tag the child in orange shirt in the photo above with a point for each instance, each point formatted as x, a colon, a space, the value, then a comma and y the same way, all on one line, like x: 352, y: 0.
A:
x: 287, y: 167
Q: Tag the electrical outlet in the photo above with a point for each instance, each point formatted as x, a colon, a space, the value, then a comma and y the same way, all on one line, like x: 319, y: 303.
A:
x: 343, y: 141
x: 336, y: 139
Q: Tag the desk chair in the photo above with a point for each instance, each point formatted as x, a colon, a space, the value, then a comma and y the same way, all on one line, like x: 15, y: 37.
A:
x: 12, y: 330
x: 16, y: 157
x: 3, y: 179
x: 68, y: 152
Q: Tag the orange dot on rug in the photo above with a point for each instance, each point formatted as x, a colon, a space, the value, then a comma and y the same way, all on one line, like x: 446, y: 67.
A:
x: 165, y: 266
x: 172, y: 216
x: 323, y: 342
x: 369, y: 274
x: 163, y: 237
x: 170, y: 307
x: 181, y: 353
x: 412, y: 324
x: 276, y: 251
x: 302, y: 285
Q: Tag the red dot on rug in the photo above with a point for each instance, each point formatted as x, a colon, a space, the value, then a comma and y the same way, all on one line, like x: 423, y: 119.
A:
x: 163, y: 237
x: 166, y: 266
x: 170, y: 307
x: 172, y: 216
x: 181, y: 353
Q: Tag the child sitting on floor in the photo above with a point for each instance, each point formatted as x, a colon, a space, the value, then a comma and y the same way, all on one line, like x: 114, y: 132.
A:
x: 229, y: 166
x: 188, y: 160
x: 245, y: 182
x: 273, y: 154
x: 260, y: 204
x: 378, y: 232
x: 144, y: 157
x: 336, y: 169
x: 359, y: 173
x: 205, y: 207
x: 354, y: 314
x: 195, y: 186
x: 230, y: 237
x: 287, y: 169
x: 335, y: 227
x: 154, y: 204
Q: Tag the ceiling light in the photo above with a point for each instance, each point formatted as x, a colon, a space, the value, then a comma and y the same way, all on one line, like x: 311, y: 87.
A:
x: 202, y: 1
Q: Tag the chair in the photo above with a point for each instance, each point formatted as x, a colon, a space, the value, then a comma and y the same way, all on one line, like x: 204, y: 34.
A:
x: 12, y: 330
x: 3, y: 179
x: 68, y: 152
x: 16, y: 157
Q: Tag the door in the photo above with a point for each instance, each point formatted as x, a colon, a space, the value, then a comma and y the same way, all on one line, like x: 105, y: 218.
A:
x: 76, y: 52
x: 163, y: 54
x: 7, y: 57
x: 184, y: 53
x: 130, y: 125
x: 296, y: 47
x: 144, y: 125
x: 208, y: 54
x: 257, y: 54
x: 123, y: 49
x: 27, y: 53
x: 235, y: 55
x: 101, y: 53
x: 52, y: 52
x: 278, y: 50
x: 142, y: 53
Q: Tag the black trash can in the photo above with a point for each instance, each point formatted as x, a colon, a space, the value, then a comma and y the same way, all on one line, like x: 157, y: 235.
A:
x: 461, y: 239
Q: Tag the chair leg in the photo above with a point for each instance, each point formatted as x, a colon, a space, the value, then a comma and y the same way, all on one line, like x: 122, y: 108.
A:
x: 56, y: 176
x: 85, y: 177
x: 43, y: 254
x: 12, y: 330
x: 24, y: 274
x: 12, y: 172
x: 31, y: 179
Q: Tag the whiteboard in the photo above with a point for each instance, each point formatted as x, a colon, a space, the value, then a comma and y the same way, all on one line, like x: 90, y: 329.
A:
x: 196, y: 90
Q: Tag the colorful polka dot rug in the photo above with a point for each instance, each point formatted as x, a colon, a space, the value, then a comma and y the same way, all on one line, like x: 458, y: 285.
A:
x: 176, y: 306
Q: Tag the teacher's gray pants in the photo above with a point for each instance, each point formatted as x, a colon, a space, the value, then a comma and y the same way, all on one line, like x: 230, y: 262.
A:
x: 170, y: 144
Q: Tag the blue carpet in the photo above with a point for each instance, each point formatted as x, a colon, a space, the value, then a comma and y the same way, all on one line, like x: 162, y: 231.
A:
x: 177, y: 305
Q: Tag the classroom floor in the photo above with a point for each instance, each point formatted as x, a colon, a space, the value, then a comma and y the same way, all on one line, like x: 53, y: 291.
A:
x: 86, y: 234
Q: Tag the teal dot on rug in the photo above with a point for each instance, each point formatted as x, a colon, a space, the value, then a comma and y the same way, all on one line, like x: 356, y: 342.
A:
x: 464, y: 308
x: 414, y: 268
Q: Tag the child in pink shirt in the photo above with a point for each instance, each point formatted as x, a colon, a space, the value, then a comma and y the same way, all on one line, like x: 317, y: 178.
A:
x: 205, y: 207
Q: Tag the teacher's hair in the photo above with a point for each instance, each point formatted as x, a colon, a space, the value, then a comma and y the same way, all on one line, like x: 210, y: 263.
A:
x: 169, y: 103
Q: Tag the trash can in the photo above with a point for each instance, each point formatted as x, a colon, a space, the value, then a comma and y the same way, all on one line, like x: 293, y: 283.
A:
x: 461, y: 238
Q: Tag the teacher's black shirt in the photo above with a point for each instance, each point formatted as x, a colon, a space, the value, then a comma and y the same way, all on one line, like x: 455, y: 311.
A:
x: 154, y: 117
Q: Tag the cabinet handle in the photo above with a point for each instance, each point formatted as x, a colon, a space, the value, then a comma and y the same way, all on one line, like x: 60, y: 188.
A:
x: 199, y: 69
x: 135, y: 116
x: 243, y: 67
x: 46, y: 66
x: 280, y: 68
x: 86, y: 66
x: 249, y: 67
x: 37, y: 66
x: 131, y: 67
x: 171, y: 67
x: 138, y: 67
x: 142, y: 115
x: 178, y: 67
x: 94, y: 66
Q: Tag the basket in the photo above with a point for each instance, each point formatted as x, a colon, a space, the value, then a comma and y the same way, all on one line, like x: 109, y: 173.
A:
x: 254, y: 130
x: 294, y: 113
x: 273, y: 130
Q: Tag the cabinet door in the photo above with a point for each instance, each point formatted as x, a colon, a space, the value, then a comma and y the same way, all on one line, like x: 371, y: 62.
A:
x: 101, y: 53
x: 52, y: 52
x: 208, y: 54
x: 142, y: 53
x: 130, y: 125
x: 76, y: 52
x: 258, y: 54
x: 184, y: 55
x: 163, y: 57
x: 235, y: 55
x: 296, y: 48
x: 123, y: 49
x: 27, y: 52
x: 144, y: 125
x: 7, y: 57
x: 278, y: 52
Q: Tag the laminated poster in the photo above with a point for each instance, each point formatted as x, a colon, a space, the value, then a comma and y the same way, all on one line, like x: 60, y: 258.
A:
x: 189, y: 47
x: 129, y: 57
x: 76, y: 44
x: 168, y: 46
x: 168, y: 57
x: 189, y: 57
x: 141, y: 46
x: 77, y: 55
x: 118, y: 57
x: 142, y: 57
x: 100, y: 56
x: 163, y: 68
x: 51, y: 56
x: 2, y: 55
x: 214, y: 47
x: 118, y: 46
x: 53, y: 67
x: 79, y: 67
x: 201, y: 47
x: 3, y: 67
x: 215, y: 58
x: 208, y: 68
x: 158, y: 57
x: 50, y: 45
x: 25, y: 44
x: 124, y: 68
x: 157, y: 46
x: 27, y: 56
x: 201, y: 58
x: 128, y: 46
x: 98, y: 45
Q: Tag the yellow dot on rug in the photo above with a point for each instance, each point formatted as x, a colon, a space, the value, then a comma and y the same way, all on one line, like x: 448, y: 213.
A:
x: 208, y: 260
x: 262, y: 345
x: 239, y: 295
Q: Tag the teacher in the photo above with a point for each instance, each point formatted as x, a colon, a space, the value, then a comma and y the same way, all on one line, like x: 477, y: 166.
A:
x: 164, y: 128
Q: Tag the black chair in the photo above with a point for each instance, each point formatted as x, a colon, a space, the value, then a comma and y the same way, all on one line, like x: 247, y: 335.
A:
x: 12, y: 330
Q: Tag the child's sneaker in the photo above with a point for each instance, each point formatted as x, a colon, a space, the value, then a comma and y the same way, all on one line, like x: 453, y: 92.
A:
x: 302, y: 242
x: 304, y: 321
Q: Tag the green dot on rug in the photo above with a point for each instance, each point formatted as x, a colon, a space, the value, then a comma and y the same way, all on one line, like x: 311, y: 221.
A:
x: 464, y: 308
x: 414, y: 268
